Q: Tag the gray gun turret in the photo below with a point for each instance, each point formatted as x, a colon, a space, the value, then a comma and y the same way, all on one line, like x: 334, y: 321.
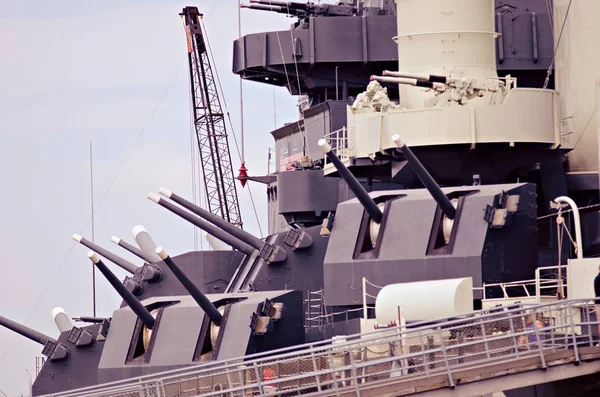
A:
x: 445, y: 204
x: 135, y: 305
x: 210, y: 310
x: 271, y: 253
x: 360, y: 193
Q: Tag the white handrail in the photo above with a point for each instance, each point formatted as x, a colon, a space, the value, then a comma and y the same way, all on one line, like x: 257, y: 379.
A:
x: 578, y: 245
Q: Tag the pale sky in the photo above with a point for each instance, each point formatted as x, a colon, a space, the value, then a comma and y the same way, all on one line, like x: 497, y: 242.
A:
x: 77, y: 71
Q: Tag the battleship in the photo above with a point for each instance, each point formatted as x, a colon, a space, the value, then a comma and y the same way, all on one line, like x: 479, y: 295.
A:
x: 433, y: 217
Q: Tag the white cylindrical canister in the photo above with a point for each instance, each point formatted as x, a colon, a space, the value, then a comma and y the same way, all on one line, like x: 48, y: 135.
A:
x: 424, y: 300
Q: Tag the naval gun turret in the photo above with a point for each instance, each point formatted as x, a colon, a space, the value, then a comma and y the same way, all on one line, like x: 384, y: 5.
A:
x: 280, y: 261
x: 72, y: 358
x: 165, y: 332
x: 423, y: 234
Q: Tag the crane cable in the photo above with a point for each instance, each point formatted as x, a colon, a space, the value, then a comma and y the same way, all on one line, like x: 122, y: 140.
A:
x: 289, y: 84
x: 240, y: 154
x: 549, y: 72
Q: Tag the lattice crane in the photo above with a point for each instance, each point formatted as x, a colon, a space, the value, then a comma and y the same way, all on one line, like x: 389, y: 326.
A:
x: 209, y: 122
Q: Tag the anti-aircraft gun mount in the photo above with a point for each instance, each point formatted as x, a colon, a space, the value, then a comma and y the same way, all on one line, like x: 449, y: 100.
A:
x: 305, y: 10
x: 459, y: 89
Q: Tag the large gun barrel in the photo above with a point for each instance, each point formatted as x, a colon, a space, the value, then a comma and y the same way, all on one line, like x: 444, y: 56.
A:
x: 360, y: 193
x: 427, y: 180
x: 134, y: 250
x: 117, y: 260
x: 417, y: 76
x: 206, y: 305
x: 209, y: 228
x: 214, y: 219
x: 26, y: 331
x: 135, y: 305
x: 145, y: 242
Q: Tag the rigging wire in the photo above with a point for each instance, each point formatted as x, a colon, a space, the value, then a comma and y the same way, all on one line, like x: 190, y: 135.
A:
x: 289, y: 84
x: 550, y: 14
x: 239, y: 10
x: 585, y: 128
x: 193, y: 159
x: 549, y: 72
x: 237, y: 147
x: 64, y: 261
x: 306, y: 151
x: 569, y: 210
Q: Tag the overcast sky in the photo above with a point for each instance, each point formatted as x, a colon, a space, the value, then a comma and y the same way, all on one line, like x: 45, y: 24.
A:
x: 77, y: 71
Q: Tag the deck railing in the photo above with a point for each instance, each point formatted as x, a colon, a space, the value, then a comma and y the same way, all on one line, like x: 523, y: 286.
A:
x: 396, y: 353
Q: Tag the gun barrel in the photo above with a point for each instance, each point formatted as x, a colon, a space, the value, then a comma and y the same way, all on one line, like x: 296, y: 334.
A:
x: 61, y: 319
x: 134, y: 250
x: 88, y: 319
x: 25, y: 331
x: 214, y: 219
x: 145, y: 242
x: 117, y: 260
x: 135, y: 305
x: 417, y: 76
x: 206, y: 305
x: 407, y: 81
x: 263, y: 7
x: 282, y: 4
x: 360, y: 193
x: 427, y: 180
x: 209, y: 228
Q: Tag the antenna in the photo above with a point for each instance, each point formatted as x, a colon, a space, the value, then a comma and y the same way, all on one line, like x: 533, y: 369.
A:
x: 93, y: 229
